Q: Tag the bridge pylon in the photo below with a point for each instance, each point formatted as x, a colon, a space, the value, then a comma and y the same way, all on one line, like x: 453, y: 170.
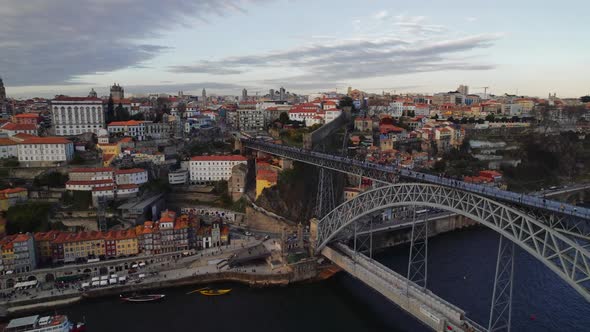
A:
x: 501, y: 308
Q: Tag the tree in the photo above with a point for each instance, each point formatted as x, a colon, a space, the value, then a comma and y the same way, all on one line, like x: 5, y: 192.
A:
x: 585, y: 99
x: 121, y: 113
x: 346, y: 101
x: 284, y: 118
x: 138, y: 117
x: 490, y: 117
x: 110, y: 116
x: 435, y: 117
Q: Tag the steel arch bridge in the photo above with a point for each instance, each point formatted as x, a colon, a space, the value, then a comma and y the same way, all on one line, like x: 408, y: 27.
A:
x: 563, y: 256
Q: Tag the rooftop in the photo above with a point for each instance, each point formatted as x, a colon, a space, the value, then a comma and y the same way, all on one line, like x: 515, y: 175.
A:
x: 219, y: 158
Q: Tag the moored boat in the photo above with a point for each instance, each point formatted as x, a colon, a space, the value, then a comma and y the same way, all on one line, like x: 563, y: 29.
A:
x: 143, y: 298
x: 214, y: 292
x: 36, y: 323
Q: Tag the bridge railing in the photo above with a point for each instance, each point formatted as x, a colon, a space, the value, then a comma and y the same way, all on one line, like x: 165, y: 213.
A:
x: 391, y: 174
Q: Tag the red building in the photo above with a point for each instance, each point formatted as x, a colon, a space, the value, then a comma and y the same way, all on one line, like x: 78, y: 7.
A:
x: 27, y: 118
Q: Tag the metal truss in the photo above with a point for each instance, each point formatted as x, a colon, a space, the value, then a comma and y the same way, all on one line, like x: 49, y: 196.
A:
x: 501, y: 308
x: 325, y: 195
x: 336, y: 163
x: 418, y: 259
x: 565, y: 257
x: 393, y: 174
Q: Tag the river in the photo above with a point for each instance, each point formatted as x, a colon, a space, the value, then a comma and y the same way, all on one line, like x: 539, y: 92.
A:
x: 461, y: 269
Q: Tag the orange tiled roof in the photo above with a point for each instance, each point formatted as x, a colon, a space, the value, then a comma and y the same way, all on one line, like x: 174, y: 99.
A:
x: 91, y: 170
x: 126, y: 123
x: 130, y: 171
x: 45, y: 140
x: 219, y: 158
x: 19, y: 126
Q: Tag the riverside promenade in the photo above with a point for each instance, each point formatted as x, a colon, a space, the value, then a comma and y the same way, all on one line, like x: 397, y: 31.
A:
x: 206, y: 266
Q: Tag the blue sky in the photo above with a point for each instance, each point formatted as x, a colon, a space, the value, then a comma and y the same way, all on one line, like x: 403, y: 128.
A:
x: 63, y: 46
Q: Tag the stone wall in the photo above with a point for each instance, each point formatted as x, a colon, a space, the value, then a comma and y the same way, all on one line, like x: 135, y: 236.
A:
x: 257, y: 220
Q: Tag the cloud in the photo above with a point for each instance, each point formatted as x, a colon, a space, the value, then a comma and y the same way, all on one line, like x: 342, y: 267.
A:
x: 471, y: 19
x: 54, y: 42
x: 186, y: 87
x: 359, y: 58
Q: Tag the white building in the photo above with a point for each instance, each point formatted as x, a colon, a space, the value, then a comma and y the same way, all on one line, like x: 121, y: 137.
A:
x: 12, y: 129
x: 251, y: 119
x: 204, y: 169
x: 178, y: 177
x: 128, y: 128
x: 136, y: 176
x: 88, y: 185
x: 77, y: 115
x: 45, y: 151
x: 331, y: 114
x: 127, y: 190
x: 8, y: 148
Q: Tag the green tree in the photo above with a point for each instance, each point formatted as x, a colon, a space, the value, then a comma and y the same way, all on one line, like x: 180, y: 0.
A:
x: 585, y: 99
x: 110, y: 116
x: 121, y: 113
x: 284, y: 118
x: 490, y: 117
x: 28, y: 217
x: 346, y: 101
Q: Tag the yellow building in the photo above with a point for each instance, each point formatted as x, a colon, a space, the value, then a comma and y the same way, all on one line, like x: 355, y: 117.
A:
x: 126, y: 243
x: 82, y: 245
x: 265, y: 179
x: 9, y: 197
x: 526, y: 105
x: 109, y: 152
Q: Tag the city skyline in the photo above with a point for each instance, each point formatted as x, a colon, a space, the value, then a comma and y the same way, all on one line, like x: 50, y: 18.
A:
x: 225, y: 46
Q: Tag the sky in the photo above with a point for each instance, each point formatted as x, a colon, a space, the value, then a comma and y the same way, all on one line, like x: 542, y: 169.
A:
x: 524, y: 47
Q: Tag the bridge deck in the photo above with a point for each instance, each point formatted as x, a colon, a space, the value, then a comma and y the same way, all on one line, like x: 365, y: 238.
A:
x: 391, y: 174
x: 428, y: 308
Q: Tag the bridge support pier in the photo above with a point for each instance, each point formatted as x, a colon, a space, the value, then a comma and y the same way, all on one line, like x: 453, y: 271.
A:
x: 418, y: 260
x: 501, y: 308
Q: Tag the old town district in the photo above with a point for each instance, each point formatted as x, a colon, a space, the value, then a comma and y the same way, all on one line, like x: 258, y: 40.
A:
x: 170, y: 233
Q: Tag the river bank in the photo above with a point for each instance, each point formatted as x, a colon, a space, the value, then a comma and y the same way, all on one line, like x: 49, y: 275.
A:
x: 305, y: 271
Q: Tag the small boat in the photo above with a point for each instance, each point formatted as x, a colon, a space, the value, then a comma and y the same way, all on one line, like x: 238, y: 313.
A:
x: 143, y: 298
x: 214, y: 292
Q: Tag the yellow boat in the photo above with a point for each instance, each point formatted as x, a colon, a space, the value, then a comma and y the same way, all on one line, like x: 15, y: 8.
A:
x: 214, y: 292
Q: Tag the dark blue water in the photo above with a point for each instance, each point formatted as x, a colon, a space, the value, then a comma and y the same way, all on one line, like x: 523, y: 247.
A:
x: 461, y: 269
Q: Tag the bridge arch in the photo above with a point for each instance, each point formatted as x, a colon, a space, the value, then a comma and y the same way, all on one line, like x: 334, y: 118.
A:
x: 562, y: 255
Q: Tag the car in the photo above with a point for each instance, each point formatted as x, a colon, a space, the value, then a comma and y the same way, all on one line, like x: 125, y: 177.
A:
x: 247, y: 233
x: 266, y: 237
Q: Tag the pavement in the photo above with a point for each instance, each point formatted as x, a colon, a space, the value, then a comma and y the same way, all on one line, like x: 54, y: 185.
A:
x: 203, y: 262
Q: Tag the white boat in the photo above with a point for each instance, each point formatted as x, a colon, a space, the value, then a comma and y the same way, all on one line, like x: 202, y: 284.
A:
x: 36, y: 323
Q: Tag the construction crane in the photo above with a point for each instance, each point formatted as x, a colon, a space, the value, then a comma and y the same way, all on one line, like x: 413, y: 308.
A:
x: 485, y: 91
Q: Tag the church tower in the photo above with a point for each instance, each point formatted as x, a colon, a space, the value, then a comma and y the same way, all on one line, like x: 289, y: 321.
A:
x: 92, y: 93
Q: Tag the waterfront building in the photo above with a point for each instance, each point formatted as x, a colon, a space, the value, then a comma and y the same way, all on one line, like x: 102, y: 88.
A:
x: 207, y: 169
x: 43, y: 241
x: 70, y: 247
x: 77, y: 115
x: 121, y: 243
x: 45, y: 151
x: 18, y: 253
